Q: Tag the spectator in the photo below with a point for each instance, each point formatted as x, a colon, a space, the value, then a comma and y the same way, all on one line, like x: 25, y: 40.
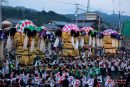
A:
x: 65, y: 82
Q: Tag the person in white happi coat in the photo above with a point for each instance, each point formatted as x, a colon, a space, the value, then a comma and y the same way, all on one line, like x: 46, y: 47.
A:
x: 25, y: 78
x: 71, y: 80
x: 60, y: 78
x: 76, y: 83
x: 84, y: 81
x: 37, y: 80
x: 112, y: 83
x: 108, y: 81
x: 57, y: 75
x: 90, y: 82
x: 44, y: 75
x: 129, y: 67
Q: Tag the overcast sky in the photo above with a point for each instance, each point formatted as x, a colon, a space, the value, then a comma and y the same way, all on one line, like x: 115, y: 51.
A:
x: 67, y: 7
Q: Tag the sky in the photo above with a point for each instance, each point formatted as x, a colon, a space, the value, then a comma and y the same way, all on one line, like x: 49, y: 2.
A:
x: 68, y: 7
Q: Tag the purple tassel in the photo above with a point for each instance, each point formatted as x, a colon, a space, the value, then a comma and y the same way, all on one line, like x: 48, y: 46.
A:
x: 2, y: 36
x: 42, y: 33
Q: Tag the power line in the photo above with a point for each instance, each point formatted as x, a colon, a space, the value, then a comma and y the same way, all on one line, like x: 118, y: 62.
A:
x: 113, y: 2
x: 90, y: 8
x: 63, y: 2
x: 69, y: 3
x: 82, y: 9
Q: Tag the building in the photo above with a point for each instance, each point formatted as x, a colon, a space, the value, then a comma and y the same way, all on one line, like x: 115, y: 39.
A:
x: 13, y: 21
x: 87, y: 19
x: 51, y: 27
x: 60, y: 24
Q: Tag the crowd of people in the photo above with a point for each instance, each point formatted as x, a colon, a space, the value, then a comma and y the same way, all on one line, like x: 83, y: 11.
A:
x: 54, y: 71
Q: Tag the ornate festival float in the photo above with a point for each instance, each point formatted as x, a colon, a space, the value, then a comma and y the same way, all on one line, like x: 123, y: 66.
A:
x: 111, y: 40
x: 70, y: 34
x: 85, y: 40
x: 25, y: 41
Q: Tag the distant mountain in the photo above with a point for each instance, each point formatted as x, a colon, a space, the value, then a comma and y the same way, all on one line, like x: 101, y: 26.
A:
x: 107, y: 18
x: 42, y: 17
x: 71, y: 16
x: 38, y: 17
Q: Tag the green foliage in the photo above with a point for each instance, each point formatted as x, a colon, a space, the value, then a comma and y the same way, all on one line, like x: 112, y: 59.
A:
x: 126, y: 28
x: 38, y: 17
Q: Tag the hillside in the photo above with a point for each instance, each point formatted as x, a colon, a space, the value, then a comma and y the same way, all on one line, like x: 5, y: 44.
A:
x: 42, y: 17
x: 38, y: 17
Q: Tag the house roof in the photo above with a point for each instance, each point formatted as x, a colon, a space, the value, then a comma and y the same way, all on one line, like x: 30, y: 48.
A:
x: 84, y: 24
x: 51, y: 26
x: 61, y: 23
x: 81, y: 17
x: 13, y: 21
x: 92, y: 16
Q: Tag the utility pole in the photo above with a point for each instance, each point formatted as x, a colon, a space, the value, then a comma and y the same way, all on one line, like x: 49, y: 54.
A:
x: 113, y: 1
x: 0, y: 13
x: 88, y: 5
x: 76, y: 12
x: 99, y: 22
x: 120, y: 24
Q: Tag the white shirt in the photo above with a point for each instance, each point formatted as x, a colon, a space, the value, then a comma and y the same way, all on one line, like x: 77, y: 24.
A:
x: 90, y: 82
x: 6, y: 70
x: 44, y: 75
x: 129, y: 67
x: 71, y: 79
x: 100, y: 63
x: 25, y: 78
x: 109, y: 64
x: 52, y: 82
x: 108, y: 81
x: 76, y: 83
x: 84, y: 80
x: 116, y: 63
x: 122, y: 65
x: 112, y: 83
x: 60, y: 79
x: 104, y: 65
x: 37, y: 80
x: 93, y: 63
x: 112, y: 68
